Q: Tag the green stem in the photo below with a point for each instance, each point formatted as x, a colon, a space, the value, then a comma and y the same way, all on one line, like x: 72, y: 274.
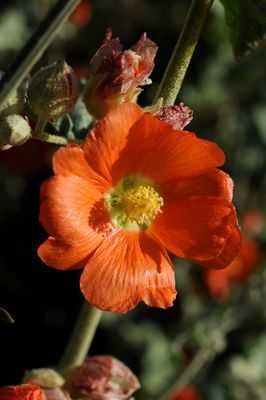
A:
x: 81, y: 337
x: 182, y: 54
x: 36, y: 46
x: 55, y: 139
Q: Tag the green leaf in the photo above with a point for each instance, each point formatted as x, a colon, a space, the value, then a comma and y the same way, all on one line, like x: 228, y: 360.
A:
x: 247, y: 23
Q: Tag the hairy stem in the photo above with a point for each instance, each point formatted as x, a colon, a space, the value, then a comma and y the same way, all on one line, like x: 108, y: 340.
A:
x: 81, y: 337
x: 35, y: 46
x: 182, y: 54
x: 55, y: 139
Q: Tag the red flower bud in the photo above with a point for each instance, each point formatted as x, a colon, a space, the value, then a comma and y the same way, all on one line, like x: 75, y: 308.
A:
x: 102, y: 378
x: 27, y: 391
x: 53, y: 91
x: 115, y: 75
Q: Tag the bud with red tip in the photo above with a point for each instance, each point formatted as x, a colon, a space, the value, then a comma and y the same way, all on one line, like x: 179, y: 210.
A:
x: 53, y: 91
x: 101, y: 378
x: 115, y: 75
x: 27, y: 391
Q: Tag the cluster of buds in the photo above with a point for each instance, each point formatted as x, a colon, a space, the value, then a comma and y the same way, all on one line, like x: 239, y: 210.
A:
x: 98, y: 378
x: 114, y: 76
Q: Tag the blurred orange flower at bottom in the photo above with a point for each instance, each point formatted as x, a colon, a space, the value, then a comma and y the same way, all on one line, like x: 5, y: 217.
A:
x: 189, y: 393
x: 247, y: 261
x: 27, y: 391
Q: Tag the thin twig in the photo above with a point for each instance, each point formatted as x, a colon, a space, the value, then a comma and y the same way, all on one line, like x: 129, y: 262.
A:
x: 35, y: 46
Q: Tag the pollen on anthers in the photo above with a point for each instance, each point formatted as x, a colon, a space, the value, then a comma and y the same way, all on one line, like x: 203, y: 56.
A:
x: 134, y: 203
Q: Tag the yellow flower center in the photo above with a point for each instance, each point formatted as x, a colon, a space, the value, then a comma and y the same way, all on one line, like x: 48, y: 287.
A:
x: 134, y: 203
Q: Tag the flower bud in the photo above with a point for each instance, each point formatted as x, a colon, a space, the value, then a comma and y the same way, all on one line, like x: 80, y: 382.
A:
x: 27, y: 391
x: 53, y: 91
x: 44, y: 377
x: 177, y: 116
x: 14, y: 104
x: 101, y: 378
x: 115, y: 75
x: 50, y: 381
x: 14, y: 130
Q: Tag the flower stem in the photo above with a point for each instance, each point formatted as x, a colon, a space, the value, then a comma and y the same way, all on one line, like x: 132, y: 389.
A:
x: 55, y: 139
x: 81, y: 337
x: 182, y: 54
x: 35, y: 46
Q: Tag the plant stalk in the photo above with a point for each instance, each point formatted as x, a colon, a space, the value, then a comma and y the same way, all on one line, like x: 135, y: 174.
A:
x: 35, y: 47
x: 81, y: 337
x: 182, y: 54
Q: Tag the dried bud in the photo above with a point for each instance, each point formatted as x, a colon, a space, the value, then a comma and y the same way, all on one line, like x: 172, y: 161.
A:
x: 115, y: 75
x: 27, y: 391
x: 14, y: 130
x: 178, y: 116
x: 102, y: 378
x: 53, y: 91
x: 14, y: 104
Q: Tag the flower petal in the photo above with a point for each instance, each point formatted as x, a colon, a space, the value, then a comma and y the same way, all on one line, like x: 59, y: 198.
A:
x: 128, y: 268
x: 71, y: 160
x: 160, y: 153
x: 231, y: 246
x: 105, y: 142
x: 215, y: 183
x: 195, y: 227
x: 73, y: 209
x: 59, y: 255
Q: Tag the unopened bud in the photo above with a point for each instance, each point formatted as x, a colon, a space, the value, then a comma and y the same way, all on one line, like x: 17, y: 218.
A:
x: 44, y: 377
x: 101, y: 378
x: 14, y: 130
x: 115, y: 76
x: 53, y: 91
x: 14, y: 104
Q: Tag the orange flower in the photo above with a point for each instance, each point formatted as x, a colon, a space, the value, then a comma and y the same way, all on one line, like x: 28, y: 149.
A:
x: 133, y: 189
x: 189, y: 393
x: 247, y: 261
x: 27, y: 391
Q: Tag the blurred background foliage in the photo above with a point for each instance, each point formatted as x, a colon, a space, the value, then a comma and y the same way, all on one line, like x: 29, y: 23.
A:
x: 217, y: 343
